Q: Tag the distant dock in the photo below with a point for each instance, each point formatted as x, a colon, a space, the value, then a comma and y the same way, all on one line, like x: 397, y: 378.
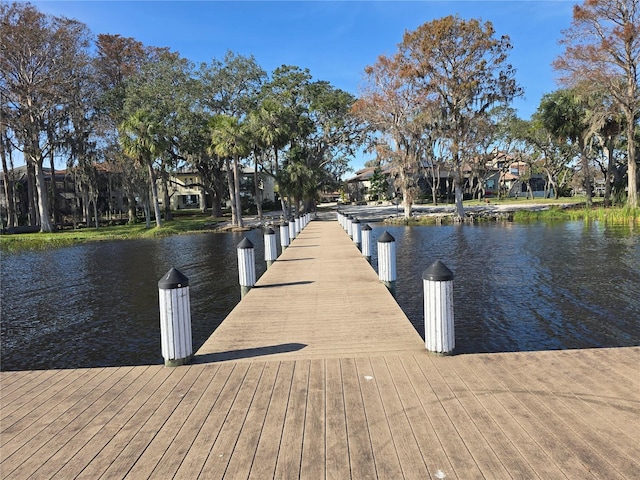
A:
x: 317, y: 373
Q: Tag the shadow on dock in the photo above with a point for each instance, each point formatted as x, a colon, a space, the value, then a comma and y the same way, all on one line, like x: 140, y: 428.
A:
x: 248, y: 353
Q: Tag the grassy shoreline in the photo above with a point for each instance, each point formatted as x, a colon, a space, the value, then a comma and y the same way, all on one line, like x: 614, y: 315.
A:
x: 198, y: 223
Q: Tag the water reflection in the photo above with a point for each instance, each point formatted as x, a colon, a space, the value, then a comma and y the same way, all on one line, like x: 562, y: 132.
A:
x: 527, y: 287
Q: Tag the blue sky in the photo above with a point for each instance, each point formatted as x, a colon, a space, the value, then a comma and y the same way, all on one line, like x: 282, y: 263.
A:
x: 335, y: 40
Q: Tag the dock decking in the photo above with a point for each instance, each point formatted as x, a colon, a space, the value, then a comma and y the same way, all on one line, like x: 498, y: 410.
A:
x: 318, y: 374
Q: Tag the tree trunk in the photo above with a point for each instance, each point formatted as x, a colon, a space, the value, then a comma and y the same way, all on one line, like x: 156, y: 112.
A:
x: 256, y: 181
x: 203, y: 199
x: 43, y: 203
x: 632, y: 181
x: 95, y: 210
x: 407, y: 202
x: 154, y: 194
x: 131, y: 207
x: 587, y: 177
x: 31, y: 193
x: 457, y: 187
x: 147, y: 212
x: 8, y: 189
x: 54, y: 190
x: 608, y: 176
x: 166, y: 199
x: 236, y: 185
x: 232, y: 196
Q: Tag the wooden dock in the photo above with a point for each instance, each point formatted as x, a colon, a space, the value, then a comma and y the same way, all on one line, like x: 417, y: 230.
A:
x: 318, y: 374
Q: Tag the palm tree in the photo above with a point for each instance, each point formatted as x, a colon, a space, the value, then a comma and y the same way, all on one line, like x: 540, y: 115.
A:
x: 563, y: 114
x: 142, y: 139
x: 229, y: 141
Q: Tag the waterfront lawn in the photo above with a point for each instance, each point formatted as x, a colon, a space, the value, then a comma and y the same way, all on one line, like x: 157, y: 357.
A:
x: 43, y: 241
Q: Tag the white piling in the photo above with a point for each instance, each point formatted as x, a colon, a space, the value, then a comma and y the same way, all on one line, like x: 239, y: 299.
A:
x: 175, y: 319
x: 284, y: 235
x: 356, y: 230
x: 246, y: 266
x: 270, y: 247
x: 348, y: 227
x: 366, y: 242
x: 439, y: 334
x: 296, y: 223
x: 292, y: 229
x: 387, y: 261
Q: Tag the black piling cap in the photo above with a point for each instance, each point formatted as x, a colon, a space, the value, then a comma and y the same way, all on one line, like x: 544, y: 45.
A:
x: 173, y: 279
x: 245, y: 243
x: 366, y: 227
x: 437, y: 272
x: 386, y: 237
x: 355, y: 220
x: 269, y: 231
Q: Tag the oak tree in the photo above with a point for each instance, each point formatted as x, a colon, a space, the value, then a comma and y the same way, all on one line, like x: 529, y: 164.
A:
x: 602, y: 47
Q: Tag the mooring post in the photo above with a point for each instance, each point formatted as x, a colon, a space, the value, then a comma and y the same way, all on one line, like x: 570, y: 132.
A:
x: 270, y: 247
x: 296, y: 223
x: 175, y: 319
x: 340, y: 218
x: 284, y: 235
x: 349, y: 226
x: 356, y: 230
x: 366, y: 242
x: 387, y: 261
x: 246, y: 266
x: 439, y: 334
x: 292, y: 229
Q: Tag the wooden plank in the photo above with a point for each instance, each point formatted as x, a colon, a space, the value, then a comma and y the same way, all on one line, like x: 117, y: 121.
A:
x: 443, y: 448
x: 618, y: 407
x: 93, y: 438
x: 621, y: 388
x: 498, y: 437
x: 265, y: 458
x: 31, y: 396
x: 40, y: 406
x: 243, y: 453
x: 596, y: 450
x: 361, y: 457
x: 290, y: 454
x: 474, y: 378
x: 474, y: 438
x: 214, y: 379
x: 208, y: 433
x: 314, y: 441
x: 81, y: 406
x: 384, y: 450
x: 10, y: 381
x: 161, y: 406
x: 408, y: 450
x: 517, y: 401
x: 168, y: 433
x: 223, y: 447
x: 337, y: 447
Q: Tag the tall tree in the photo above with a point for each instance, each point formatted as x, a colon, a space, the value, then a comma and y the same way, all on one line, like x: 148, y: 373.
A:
x: 229, y: 140
x: 463, y: 66
x: 40, y: 57
x: 144, y: 140
x: 563, y: 115
x: 602, y: 47
x: 397, y: 109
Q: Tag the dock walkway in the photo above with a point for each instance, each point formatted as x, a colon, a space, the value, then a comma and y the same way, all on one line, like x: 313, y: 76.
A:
x: 318, y: 374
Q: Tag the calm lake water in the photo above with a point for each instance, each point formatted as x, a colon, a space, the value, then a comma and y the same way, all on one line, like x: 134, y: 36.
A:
x: 516, y: 288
